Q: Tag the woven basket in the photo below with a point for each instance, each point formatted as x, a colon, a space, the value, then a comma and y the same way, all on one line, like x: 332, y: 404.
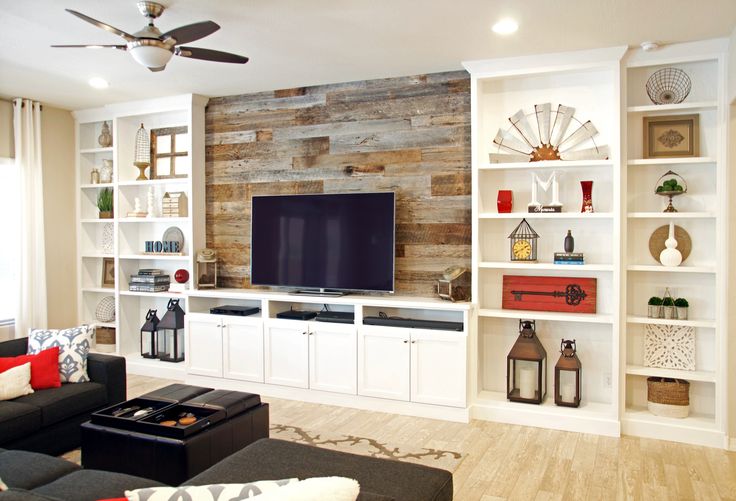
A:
x: 105, y: 337
x: 668, y: 397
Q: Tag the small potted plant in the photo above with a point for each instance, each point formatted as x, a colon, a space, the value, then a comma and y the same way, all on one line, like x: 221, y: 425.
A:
x: 655, y: 307
x: 104, y: 203
x: 681, y: 305
x: 668, y: 305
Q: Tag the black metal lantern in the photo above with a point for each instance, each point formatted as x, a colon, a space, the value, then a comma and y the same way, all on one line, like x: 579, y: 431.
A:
x: 523, y: 243
x: 148, y: 335
x: 171, y: 333
x: 526, y: 367
x: 567, y: 375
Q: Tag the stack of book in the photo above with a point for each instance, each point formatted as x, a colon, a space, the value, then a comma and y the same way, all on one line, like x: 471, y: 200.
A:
x: 569, y: 258
x: 150, y: 280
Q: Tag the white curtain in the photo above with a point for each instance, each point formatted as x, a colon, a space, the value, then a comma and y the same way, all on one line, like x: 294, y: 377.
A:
x: 32, y: 254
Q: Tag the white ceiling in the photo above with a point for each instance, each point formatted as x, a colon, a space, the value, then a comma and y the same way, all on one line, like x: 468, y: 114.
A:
x: 294, y: 43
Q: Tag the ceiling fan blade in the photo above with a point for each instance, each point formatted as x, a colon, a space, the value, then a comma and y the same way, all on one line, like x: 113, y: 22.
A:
x: 102, y: 25
x: 210, y: 55
x: 191, y: 32
x: 159, y: 68
x: 92, y: 46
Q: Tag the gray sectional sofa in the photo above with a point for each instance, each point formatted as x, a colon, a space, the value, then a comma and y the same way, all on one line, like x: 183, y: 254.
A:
x: 48, y: 420
x: 36, y: 477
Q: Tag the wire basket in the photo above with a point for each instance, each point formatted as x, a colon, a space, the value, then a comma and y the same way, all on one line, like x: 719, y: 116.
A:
x: 670, y: 184
x: 668, y: 86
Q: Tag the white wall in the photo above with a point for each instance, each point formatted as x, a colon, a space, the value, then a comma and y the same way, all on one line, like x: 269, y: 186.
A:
x: 57, y: 132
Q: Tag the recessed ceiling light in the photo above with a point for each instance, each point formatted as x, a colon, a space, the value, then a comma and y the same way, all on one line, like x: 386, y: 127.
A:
x: 505, y: 26
x: 98, y: 83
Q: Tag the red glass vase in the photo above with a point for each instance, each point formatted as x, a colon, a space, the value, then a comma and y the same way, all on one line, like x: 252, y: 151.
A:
x: 587, y: 187
x: 505, y: 201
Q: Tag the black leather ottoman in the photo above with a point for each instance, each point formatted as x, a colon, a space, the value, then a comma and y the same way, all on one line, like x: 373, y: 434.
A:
x: 143, y: 449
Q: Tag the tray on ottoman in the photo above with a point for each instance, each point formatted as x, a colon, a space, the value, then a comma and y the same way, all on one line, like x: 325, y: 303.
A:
x: 123, y: 416
x: 167, y: 422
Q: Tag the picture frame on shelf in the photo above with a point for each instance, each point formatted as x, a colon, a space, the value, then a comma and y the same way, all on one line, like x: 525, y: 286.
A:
x: 671, y: 136
x: 165, y: 152
x: 108, y: 272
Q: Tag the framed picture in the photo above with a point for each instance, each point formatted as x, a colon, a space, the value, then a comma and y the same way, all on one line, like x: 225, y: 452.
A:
x: 672, y: 136
x: 108, y: 272
x: 169, y: 152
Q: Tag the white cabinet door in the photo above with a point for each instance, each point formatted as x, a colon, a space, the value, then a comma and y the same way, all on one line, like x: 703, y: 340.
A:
x: 333, y: 357
x: 204, y: 344
x: 243, y: 348
x: 287, y: 353
x: 438, y: 368
x: 383, y: 362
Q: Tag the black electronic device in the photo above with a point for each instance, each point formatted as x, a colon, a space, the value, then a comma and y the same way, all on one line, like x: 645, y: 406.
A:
x: 324, y: 242
x: 338, y: 317
x: 297, y: 314
x: 414, y: 323
x: 240, y: 311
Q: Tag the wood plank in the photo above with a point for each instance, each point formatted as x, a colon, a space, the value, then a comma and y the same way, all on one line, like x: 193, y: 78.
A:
x: 451, y: 184
x: 359, y: 158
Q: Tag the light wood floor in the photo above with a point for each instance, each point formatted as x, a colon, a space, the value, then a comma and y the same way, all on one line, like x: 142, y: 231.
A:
x: 521, y: 463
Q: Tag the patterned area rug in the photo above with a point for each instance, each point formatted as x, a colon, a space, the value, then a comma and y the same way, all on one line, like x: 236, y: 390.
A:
x: 447, y: 460
x: 438, y: 458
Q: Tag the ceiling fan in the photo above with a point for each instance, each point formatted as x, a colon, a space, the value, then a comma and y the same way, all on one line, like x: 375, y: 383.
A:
x: 153, y: 49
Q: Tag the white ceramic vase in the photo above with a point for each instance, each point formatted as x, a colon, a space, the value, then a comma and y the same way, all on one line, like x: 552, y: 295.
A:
x: 670, y: 256
x: 106, y: 171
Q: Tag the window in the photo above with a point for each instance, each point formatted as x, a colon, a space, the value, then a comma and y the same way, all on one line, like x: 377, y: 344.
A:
x: 9, y: 230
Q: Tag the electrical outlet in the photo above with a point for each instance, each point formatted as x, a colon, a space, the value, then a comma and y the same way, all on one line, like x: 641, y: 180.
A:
x: 607, y: 380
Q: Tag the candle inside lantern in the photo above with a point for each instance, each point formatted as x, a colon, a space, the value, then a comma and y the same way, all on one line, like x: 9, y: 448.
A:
x: 527, y: 383
x: 567, y: 392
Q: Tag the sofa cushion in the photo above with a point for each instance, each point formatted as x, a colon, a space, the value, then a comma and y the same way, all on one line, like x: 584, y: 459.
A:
x: 271, y: 458
x: 91, y: 485
x: 57, y: 404
x: 16, y: 382
x: 73, y: 346
x: 24, y: 495
x: 17, y: 420
x: 27, y: 470
x: 44, y: 367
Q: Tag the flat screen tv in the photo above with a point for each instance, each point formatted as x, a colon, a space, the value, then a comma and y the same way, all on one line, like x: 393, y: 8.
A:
x: 327, y: 242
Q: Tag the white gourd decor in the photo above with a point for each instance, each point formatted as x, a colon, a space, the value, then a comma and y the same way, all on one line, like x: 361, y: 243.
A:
x: 670, y: 256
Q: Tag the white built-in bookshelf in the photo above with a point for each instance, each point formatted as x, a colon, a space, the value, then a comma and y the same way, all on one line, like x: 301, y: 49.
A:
x: 606, y: 86
x: 129, y: 234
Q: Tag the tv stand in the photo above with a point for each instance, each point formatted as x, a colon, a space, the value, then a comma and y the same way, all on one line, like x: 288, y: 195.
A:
x: 319, y: 292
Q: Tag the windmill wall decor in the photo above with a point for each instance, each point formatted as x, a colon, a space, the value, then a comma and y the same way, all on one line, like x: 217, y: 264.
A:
x: 548, y: 139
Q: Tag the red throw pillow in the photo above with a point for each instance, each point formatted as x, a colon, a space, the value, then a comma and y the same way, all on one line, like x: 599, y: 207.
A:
x: 44, y: 367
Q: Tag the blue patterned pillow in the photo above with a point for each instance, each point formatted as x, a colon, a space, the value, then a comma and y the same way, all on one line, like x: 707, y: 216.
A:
x: 73, y: 346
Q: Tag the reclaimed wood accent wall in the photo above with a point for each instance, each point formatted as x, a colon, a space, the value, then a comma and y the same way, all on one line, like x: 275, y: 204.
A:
x: 410, y: 135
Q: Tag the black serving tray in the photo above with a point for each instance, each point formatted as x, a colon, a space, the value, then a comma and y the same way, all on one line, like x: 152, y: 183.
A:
x: 206, y: 416
x: 106, y: 417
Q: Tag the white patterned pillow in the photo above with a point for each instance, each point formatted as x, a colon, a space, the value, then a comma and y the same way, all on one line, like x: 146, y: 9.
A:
x: 73, y: 346
x: 215, y: 492
x: 315, y: 489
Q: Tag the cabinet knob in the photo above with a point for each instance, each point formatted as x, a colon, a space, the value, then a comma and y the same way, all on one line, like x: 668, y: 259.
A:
x: 406, y: 341
x: 304, y: 333
x: 413, y: 342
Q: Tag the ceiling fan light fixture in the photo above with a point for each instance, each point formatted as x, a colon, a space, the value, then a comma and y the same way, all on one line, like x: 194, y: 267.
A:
x: 150, y: 55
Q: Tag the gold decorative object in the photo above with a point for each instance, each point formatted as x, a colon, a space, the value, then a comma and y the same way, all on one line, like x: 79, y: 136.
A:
x: 105, y: 137
x: 142, y: 153
x: 670, y: 184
